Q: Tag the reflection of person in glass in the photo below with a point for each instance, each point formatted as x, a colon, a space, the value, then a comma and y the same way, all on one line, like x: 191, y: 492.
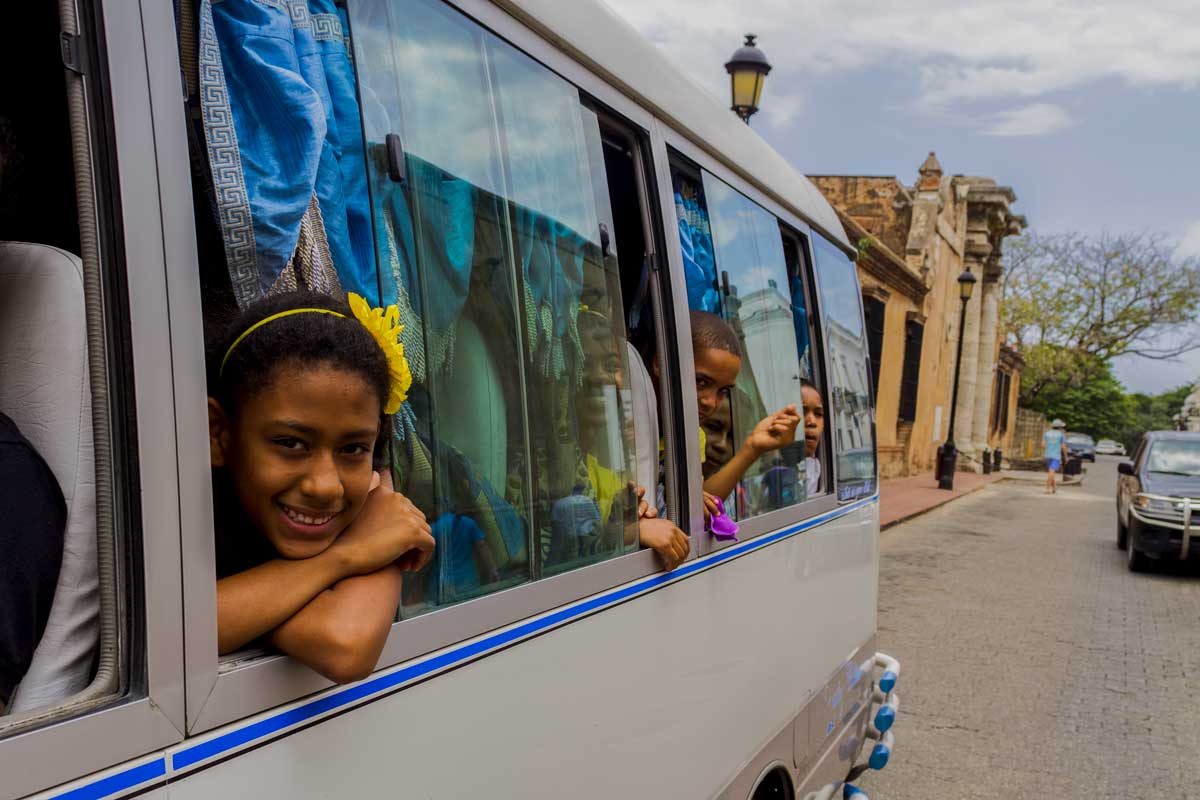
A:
x: 814, y: 429
x: 718, y: 360
x: 597, y: 412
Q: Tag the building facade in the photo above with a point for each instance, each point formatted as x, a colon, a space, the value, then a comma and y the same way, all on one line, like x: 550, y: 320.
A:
x: 914, y: 241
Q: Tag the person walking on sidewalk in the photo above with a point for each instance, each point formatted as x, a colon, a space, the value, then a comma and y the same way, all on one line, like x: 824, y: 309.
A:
x: 1056, y: 452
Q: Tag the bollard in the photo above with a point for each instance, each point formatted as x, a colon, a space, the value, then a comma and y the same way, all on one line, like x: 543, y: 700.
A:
x: 996, y: 460
x: 987, y: 462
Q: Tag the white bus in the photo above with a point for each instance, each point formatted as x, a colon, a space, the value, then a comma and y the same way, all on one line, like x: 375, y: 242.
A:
x: 501, y: 170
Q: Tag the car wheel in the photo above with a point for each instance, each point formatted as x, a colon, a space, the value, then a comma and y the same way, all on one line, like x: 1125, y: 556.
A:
x: 1136, y: 559
x: 1122, y: 533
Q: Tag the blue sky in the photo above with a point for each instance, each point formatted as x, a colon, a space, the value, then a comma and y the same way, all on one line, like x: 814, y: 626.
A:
x: 1089, y: 110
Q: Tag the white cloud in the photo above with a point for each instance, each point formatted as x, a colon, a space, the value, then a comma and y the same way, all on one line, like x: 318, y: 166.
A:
x: 1032, y: 120
x: 1189, y: 245
x: 963, y: 52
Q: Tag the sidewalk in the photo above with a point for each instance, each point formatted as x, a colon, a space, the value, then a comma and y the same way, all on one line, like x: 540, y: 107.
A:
x: 905, y: 498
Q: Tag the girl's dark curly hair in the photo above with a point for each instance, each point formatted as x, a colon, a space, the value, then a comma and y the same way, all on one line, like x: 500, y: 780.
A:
x: 295, y: 340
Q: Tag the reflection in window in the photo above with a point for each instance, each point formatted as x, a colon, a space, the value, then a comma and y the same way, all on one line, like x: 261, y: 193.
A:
x: 850, y: 400
x: 517, y: 444
x: 723, y: 232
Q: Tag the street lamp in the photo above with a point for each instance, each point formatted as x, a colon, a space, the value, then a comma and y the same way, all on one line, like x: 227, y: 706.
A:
x: 948, y: 453
x: 747, y: 70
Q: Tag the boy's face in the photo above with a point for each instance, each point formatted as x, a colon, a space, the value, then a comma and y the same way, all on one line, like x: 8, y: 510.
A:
x: 718, y: 442
x: 814, y: 419
x: 299, y: 455
x: 716, y: 373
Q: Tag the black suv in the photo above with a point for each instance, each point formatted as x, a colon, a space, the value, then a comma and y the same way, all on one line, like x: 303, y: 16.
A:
x: 1158, y: 499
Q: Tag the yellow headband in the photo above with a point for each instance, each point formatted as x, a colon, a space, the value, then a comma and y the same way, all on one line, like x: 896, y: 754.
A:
x: 272, y: 318
x: 384, y: 327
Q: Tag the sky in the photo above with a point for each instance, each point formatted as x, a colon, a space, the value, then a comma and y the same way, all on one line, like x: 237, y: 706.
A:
x: 1089, y: 110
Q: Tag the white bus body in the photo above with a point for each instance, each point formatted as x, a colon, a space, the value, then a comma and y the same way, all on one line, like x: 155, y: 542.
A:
x: 750, y: 663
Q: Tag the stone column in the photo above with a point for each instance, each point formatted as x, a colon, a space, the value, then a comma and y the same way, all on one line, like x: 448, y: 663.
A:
x: 964, y: 414
x: 986, y: 369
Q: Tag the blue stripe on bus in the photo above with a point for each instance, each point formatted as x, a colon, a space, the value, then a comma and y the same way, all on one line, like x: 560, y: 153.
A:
x: 224, y: 743
x: 126, y: 779
x: 286, y: 719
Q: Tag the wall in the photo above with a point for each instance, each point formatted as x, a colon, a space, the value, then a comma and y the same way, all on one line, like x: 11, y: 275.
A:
x: 1025, y: 448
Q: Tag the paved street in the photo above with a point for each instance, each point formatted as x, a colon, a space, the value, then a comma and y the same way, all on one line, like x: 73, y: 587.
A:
x: 1035, y: 664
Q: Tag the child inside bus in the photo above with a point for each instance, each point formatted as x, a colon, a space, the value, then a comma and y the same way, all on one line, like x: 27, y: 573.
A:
x: 311, y: 541
x: 814, y: 430
x: 718, y: 360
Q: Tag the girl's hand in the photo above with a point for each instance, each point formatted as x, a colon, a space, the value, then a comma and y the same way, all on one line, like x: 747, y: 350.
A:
x: 388, y: 529
x: 710, y: 506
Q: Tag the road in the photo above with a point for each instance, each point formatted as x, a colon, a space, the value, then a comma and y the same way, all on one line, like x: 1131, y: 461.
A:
x: 1035, y: 665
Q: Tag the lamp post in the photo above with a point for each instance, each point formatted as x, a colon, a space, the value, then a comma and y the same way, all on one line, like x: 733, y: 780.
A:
x: 747, y: 70
x: 948, y: 453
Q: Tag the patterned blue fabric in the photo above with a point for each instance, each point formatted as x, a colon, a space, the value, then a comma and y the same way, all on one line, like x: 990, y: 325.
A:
x: 699, y: 266
x: 282, y: 127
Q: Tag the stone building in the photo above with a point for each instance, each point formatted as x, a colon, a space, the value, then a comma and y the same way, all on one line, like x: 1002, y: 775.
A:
x: 913, y: 243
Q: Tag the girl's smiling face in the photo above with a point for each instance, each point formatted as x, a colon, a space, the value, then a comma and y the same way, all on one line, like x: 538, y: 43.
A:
x: 299, y: 454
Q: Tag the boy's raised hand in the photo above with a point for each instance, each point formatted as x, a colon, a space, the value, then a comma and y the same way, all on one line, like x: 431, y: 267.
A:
x: 775, y: 430
x: 388, y: 529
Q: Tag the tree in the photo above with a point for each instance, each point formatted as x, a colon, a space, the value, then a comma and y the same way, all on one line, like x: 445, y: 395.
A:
x: 1098, y: 405
x: 1072, y: 303
x: 1152, y: 413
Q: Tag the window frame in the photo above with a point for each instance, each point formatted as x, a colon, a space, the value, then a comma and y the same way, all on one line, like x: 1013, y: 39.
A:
x: 816, y: 344
x: 222, y: 693
x: 829, y: 364
x: 121, y: 40
x: 677, y: 149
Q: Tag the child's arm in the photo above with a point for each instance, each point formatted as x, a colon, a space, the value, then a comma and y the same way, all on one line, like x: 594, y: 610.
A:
x: 771, y: 433
x: 261, y: 599
x: 341, y: 633
x: 251, y: 603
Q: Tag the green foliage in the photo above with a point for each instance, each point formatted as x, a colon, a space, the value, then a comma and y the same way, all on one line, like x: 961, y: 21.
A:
x: 1073, y: 303
x: 1151, y: 413
x: 1093, y: 403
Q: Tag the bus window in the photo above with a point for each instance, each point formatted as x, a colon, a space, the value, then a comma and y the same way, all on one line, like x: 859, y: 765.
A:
x: 812, y: 384
x: 735, y: 265
x: 497, y: 245
x: 49, y: 601
x: 851, y: 416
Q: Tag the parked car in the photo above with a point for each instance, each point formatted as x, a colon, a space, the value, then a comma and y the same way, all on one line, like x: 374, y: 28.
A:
x: 1107, y: 447
x: 1158, y: 497
x: 1081, y: 445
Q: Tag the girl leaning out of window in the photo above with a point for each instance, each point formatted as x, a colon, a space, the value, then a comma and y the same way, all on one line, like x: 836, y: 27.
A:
x: 311, y: 540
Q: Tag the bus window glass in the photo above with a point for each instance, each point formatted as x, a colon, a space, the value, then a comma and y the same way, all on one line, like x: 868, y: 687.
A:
x: 735, y: 266
x: 850, y: 411
x: 519, y: 447
x: 749, y: 254
x: 812, y: 385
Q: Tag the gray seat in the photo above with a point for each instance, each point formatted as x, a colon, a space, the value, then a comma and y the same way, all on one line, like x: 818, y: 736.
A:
x: 44, y: 389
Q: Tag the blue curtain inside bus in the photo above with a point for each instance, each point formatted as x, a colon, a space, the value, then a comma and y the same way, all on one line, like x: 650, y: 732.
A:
x: 284, y: 143
x: 695, y: 239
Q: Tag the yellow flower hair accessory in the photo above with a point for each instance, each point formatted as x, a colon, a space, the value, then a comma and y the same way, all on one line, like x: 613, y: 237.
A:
x: 384, y: 326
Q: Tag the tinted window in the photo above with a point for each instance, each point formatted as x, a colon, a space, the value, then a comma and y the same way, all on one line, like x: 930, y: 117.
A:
x: 520, y: 446
x: 852, y: 417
